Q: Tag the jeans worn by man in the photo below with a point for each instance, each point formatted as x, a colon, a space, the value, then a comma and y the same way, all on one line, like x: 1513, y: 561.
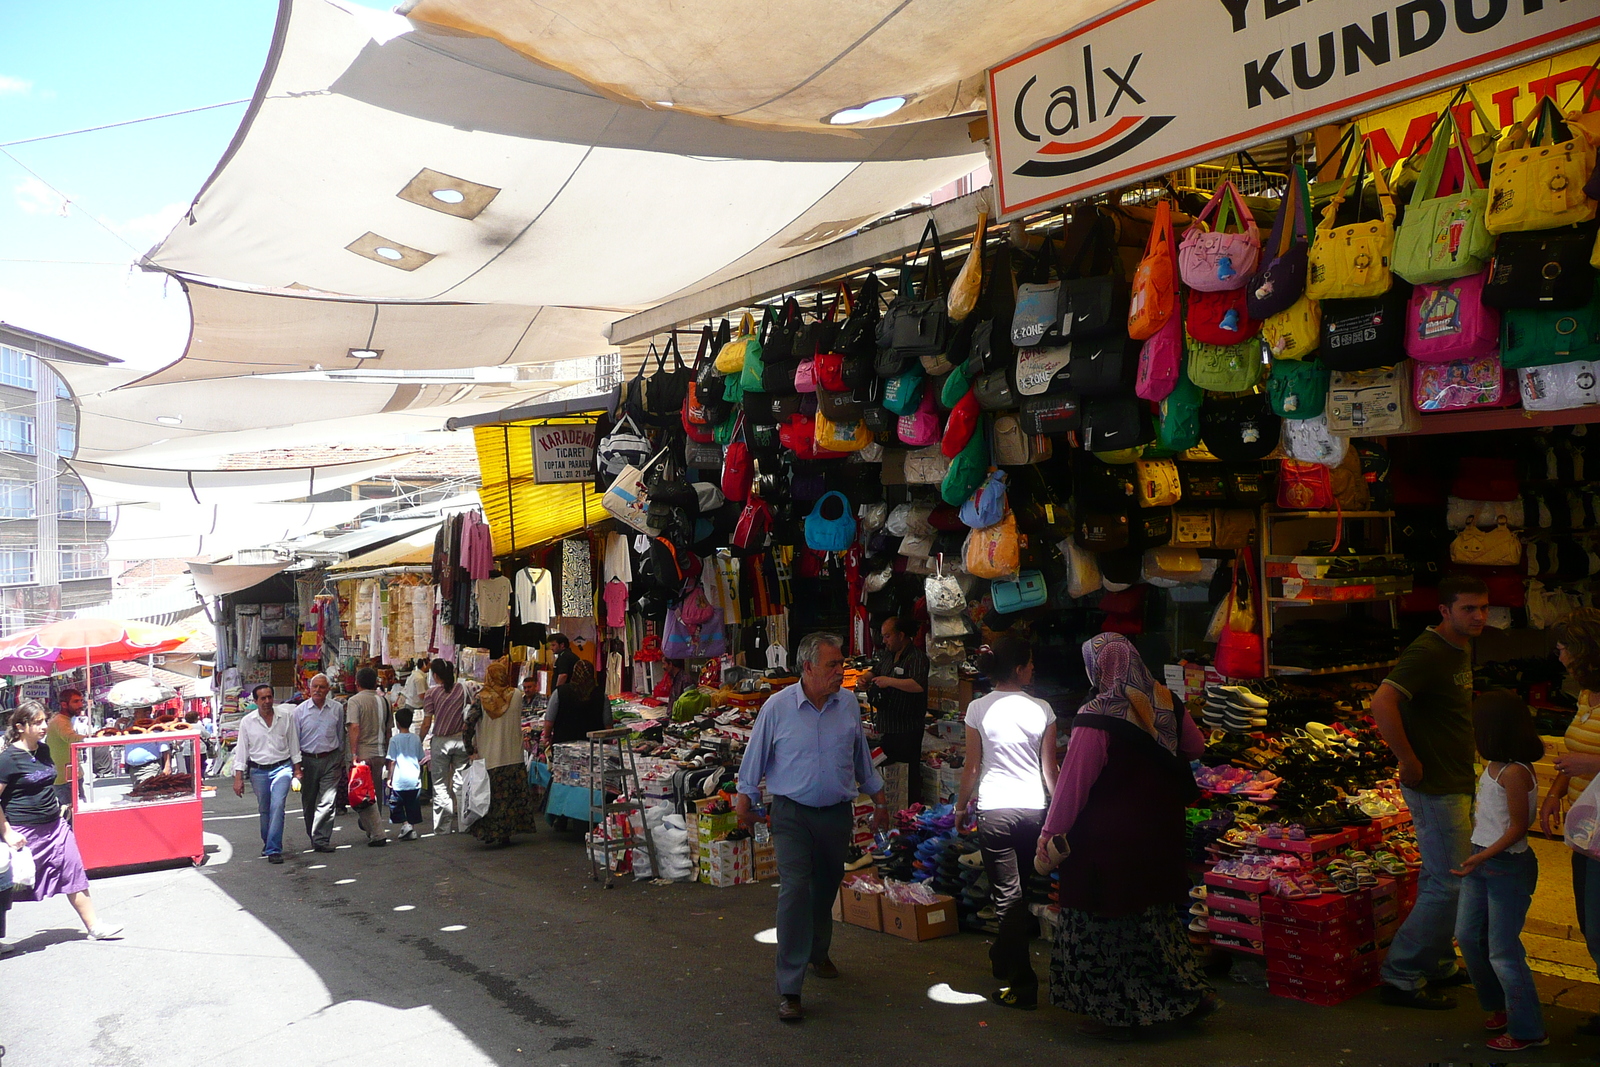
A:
x: 268, y: 750
x: 271, y: 787
x: 1424, y: 948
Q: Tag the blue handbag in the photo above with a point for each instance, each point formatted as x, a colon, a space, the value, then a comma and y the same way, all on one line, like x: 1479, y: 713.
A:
x: 1028, y: 591
x: 988, y: 505
x: 830, y: 527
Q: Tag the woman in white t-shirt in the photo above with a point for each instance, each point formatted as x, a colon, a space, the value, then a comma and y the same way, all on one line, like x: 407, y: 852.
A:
x: 1009, y: 773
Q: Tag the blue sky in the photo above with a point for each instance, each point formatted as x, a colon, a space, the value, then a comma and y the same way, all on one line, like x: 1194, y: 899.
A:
x: 69, y: 64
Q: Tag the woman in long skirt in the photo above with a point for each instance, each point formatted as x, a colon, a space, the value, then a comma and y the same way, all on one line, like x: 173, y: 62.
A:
x: 498, y: 741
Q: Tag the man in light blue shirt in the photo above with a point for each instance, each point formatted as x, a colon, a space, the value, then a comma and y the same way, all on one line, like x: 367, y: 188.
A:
x: 319, y: 723
x: 809, y: 746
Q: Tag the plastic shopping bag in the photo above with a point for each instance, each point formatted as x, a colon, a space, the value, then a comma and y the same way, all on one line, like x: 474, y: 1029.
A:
x: 1583, y: 822
x: 474, y: 793
x: 22, y: 870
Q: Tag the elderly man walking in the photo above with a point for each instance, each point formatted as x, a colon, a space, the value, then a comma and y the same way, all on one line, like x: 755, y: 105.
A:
x: 319, y: 722
x: 809, y: 746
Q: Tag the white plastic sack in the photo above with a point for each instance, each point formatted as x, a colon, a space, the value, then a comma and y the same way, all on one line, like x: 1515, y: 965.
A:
x: 670, y: 834
x: 474, y: 793
x: 1583, y: 822
x: 22, y: 869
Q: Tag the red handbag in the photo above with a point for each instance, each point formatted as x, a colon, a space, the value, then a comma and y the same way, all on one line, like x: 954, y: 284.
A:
x: 360, y: 788
x: 1239, y: 655
x: 1305, y: 486
x: 738, y: 466
x: 755, y: 523
x: 830, y: 372
x: 961, y: 425
x: 698, y: 432
x: 1220, y: 318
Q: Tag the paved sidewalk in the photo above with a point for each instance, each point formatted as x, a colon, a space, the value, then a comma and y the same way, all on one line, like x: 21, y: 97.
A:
x: 444, y: 952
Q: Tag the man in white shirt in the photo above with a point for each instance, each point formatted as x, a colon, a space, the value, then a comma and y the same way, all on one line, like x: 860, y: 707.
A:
x: 268, y: 750
x: 319, y: 722
x: 417, y: 683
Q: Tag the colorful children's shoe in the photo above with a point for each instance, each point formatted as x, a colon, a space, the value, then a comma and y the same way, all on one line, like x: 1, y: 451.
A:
x: 1496, y: 1022
x: 1507, y: 1043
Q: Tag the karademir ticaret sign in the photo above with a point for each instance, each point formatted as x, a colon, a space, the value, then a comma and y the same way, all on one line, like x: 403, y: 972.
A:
x: 1161, y: 84
x: 563, y: 453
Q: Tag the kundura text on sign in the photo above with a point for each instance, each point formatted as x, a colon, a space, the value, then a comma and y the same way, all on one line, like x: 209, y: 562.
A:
x: 1161, y: 84
x: 563, y: 453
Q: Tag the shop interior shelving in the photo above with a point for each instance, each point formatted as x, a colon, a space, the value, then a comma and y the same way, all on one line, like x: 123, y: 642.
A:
x: 1289, y: 533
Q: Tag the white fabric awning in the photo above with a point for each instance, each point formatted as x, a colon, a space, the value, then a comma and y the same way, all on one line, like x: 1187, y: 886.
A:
x: 220, y: 579
x: 186, y: 531
x: 114, y: 483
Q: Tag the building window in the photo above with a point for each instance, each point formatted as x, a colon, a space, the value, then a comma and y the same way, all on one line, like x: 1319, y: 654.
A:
x: 16, y: 433
x: 16, y: 566
x: 18, y: 368
x: 16, y: 500
x: 63, y: 392
x: 66, y: 439
x: 72, y: 502
x: 83, y: 561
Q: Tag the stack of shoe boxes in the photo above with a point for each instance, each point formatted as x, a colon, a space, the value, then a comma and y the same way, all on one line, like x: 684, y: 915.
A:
x: 1322, y: 950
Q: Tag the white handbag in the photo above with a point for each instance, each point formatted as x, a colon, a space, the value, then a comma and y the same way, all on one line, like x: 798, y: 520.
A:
x: 1560, y: 386
x: 627, y: 500
x: 1310, y: 441
x: 926, y: 466
x: 943, y: 594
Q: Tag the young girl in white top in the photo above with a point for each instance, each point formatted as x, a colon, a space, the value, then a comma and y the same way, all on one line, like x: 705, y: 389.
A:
x: 1010, y: 769
x: 1499, y: 877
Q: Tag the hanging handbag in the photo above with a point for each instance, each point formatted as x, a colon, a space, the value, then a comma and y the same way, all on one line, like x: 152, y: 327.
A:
x: 1036, y: 313
x: 1541, y: 186
x: 922, y: 426
x: 967, y: 470
x: 1281, y: 281
x: 1158, y: 483
x: 994, y: 551
x: 1160, y: 361
x: 1210, y: 258
x: 903, y: 392
x: 1050, y: 414
x: 942, y: 593
x: 1305, y: 486
x: 1115, y: 422
x: 1560, y: 387
x: 1295, y: 333
x: 1298, y: 388
x: 1026, y: 592
x: 754, y: 367
x: 1371, y: 403
x: 778, y: 371
x: 994, y: 391
x: 1498, y: 547
x: 1093, y: 305
x: 738, y: 467
x: 1443, y: 235
x: 1539, y: 338
x: 987, y: 505
x: 1311, y: 441
x: 1039, y: 368
x: 1103, y: 367
x: 1239, y: 427
x: 1350, y: 262
x: 926, y: 466
x: 858, y: 336
x: 1193, y: 529
x: 956, y: 385
x: 1178, y: 427
x: 755, y: 525
x: 1239, y: 651
x: 841, y: 435
x: 1474, y: 383
x: 623, y: 447
x: 1203, y: 483
x: 666, y: 390
x: 830, y: 527
x: 1153, y: 302
x: 627, y: 500
x: 1009, y: 445
x: 1101, y: 531
x: 1449, y: 321
x: 730, y: 359
x: 1365, y: 333
x: 968, y: 283
x: 960, y: 425
x: 918, y: 322
x: 1542, y: 269
x: 1219, y: 318
x: 1223, y: 368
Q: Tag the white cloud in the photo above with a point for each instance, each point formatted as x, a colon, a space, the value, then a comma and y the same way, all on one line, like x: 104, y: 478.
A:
x: 153, y: 226
x: 10, y: 86
x: 34, y: 197
x: 127, y: 313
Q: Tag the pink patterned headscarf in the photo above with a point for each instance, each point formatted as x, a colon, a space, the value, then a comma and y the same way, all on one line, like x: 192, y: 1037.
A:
x: 1114, y: 667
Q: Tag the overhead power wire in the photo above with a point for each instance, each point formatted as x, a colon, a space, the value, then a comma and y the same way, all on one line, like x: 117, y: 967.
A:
x: 127, y: 122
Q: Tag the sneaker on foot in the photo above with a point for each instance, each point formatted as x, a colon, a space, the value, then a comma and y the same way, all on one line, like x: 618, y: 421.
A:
x: 1507, y: 1043
x: 105, y: 932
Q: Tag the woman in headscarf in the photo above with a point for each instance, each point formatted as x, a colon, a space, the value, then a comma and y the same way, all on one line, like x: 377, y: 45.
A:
x: 1121, y: 954
x: 575, y: 708
x: 498, y: 739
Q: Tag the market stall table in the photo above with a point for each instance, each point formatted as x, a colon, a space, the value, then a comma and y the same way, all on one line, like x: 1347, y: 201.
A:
x: 151, y: 822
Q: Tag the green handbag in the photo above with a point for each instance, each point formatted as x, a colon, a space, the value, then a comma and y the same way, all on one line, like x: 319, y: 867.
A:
x: 903, y: 392
x: 1298, y: 388
x: 968, y: 469
x: 955, y: 387
x: 728, y: 427
x: 1444, y: 237
x: 754, y: 365
x: 1178, y: 428
x: 1223, y: 368
x: 1535, y: 337
x: 733, y: 389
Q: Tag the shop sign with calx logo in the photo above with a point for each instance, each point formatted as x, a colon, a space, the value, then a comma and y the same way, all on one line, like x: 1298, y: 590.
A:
x: 1156, y: 85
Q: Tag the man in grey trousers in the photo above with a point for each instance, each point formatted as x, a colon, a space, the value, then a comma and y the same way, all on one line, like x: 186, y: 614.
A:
x: 319, y: 722
x: 809, y: 746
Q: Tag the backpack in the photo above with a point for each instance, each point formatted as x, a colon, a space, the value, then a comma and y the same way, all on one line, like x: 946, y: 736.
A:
x: 987, y: 506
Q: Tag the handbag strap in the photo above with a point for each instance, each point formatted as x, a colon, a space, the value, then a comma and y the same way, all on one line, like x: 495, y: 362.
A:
x: 1343, y: 147
x: 677, y: 356
x: 747, y: 325
x: 703, y: 353
x: 935, y: 257
x: 1161, y: 236
x: 1550, y: 120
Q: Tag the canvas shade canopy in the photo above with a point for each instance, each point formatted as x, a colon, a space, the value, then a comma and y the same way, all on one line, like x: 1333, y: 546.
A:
x: 565, y: 197
x: 114, y: 483
x: 76, y: 643
x: 188, y: 531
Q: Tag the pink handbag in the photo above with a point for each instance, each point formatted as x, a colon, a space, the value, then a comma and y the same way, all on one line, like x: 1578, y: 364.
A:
x: 1211, y: 260
x: 805, y: 376
x: 921, y: 427
x: 1448, y: 322
x: 1161, y: 361
x: 1458, y: 386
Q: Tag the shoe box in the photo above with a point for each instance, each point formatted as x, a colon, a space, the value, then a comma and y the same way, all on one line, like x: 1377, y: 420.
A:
x: 1314, y: 849
x: 896, y: 785
x: 1325, y: 991
x: 763, y: 860
x: 859, y: 907
x: 920, y: 922
x: 726, y: 863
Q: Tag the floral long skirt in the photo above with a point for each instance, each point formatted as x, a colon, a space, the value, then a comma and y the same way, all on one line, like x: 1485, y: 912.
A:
x: 1136, y: 970
x: 512, y: 809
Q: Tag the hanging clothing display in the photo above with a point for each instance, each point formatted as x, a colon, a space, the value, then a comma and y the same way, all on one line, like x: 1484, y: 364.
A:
x: 616, y: 601
x: 536, y: 600
x: 577, y: 579
x: 618, y: 564
x: 494, y: 601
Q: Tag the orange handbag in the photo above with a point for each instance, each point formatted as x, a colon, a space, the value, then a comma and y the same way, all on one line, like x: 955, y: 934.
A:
x: 1155, y: 285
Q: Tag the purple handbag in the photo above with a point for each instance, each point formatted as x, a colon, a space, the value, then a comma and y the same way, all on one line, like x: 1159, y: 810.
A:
x: 1212, y: 260
x: 1282, y: 279
x: 1161, y: 361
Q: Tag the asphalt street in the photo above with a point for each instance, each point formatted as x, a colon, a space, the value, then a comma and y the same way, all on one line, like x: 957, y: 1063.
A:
x: 442, y: 951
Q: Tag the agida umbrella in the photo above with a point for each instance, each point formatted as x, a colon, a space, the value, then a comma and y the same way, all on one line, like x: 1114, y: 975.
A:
x: 72, y: 643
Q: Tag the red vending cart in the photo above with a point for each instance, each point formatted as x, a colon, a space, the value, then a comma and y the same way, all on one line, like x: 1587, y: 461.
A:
x: 117, y: 825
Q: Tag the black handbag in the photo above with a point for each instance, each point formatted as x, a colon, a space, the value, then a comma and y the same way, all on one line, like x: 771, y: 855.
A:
x: 878, y: 418
x: 1101, y: 531
x: 707, y: 377
x: 1281, y: 279
x: 1095, y: 305
x: 918, y: 322
x: 1250, y: 484
x: 1102, y: 367
x: 1203, y: 483
x: 781, y: 332
x: 1115, y: 422
x: 666, y: 389
x: 858, y: 336
x: 839, y: 407
x: 1542, y: 269
x: 994, y: 391
x: 1239, y: 427
x: 1050, y: 414
x: 1366, y: 332
x: 1149, y: 527
x: 1102, y: 486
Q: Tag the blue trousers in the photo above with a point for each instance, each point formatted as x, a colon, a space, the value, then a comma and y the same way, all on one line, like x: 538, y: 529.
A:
x: 1423, y: 949
x: 271, y: 787
x: 1494, y: 903
x: 812, y: 844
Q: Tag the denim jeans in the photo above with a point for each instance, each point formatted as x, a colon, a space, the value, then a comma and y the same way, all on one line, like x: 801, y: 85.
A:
x: 1586, y: 895
x: 447, y: 760
x: 1009, y: 837
x: 271, y: 787
x: 1494, y: 903
x: 1423, y: 948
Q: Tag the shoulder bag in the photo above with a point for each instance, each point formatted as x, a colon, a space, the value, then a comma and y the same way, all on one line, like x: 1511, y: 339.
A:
x: 1444, y: 235
x: 1223, y: 368
x: 1298, y: 388
x: 1178, y: 427
x: 918, y: 322
x: 1364, y: 333
x: 1153, y: 301
x: 1296, y: 332
x: 1473, y: 383
x: 1540, y: 338
x: 1239, y: 428
x: 1210, y: 258
x: 1541, y: 186
x: 1281, y: 281
x: 1115, y: 422
x: 1542, y: 269
x: 1371, y: 403
x: 1560, y: 387
x: 1102, y: 367
x: 1349, y: 262
x: 1219, y: 318
x: 1448, y: 321
x: 1160, y: 361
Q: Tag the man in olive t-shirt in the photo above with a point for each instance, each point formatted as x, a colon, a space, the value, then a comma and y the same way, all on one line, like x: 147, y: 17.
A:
x: 1423, y: 710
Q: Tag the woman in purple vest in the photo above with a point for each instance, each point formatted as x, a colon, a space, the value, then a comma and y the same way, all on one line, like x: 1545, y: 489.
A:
x: 1121, y: 954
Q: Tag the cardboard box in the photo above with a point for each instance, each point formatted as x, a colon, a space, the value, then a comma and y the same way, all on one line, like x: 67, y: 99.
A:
x: 861, y: 909
x: 920, y: 922
x: 726, y: 863
x: 896, y: 785
x: 763, y: 860
x: 715, y: 827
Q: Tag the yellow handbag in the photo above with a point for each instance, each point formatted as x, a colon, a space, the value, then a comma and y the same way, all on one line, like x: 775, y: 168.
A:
x: 1193, y: 529
x: 1540, y: 187
x: 1296, y: 331
x: 969, y: 282
x: 994, y: 551
x: 731, y: 359
x: 834, y: 436
x: 1498, y: 547
x: 1159, y: 486
x: 1353, y: 261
